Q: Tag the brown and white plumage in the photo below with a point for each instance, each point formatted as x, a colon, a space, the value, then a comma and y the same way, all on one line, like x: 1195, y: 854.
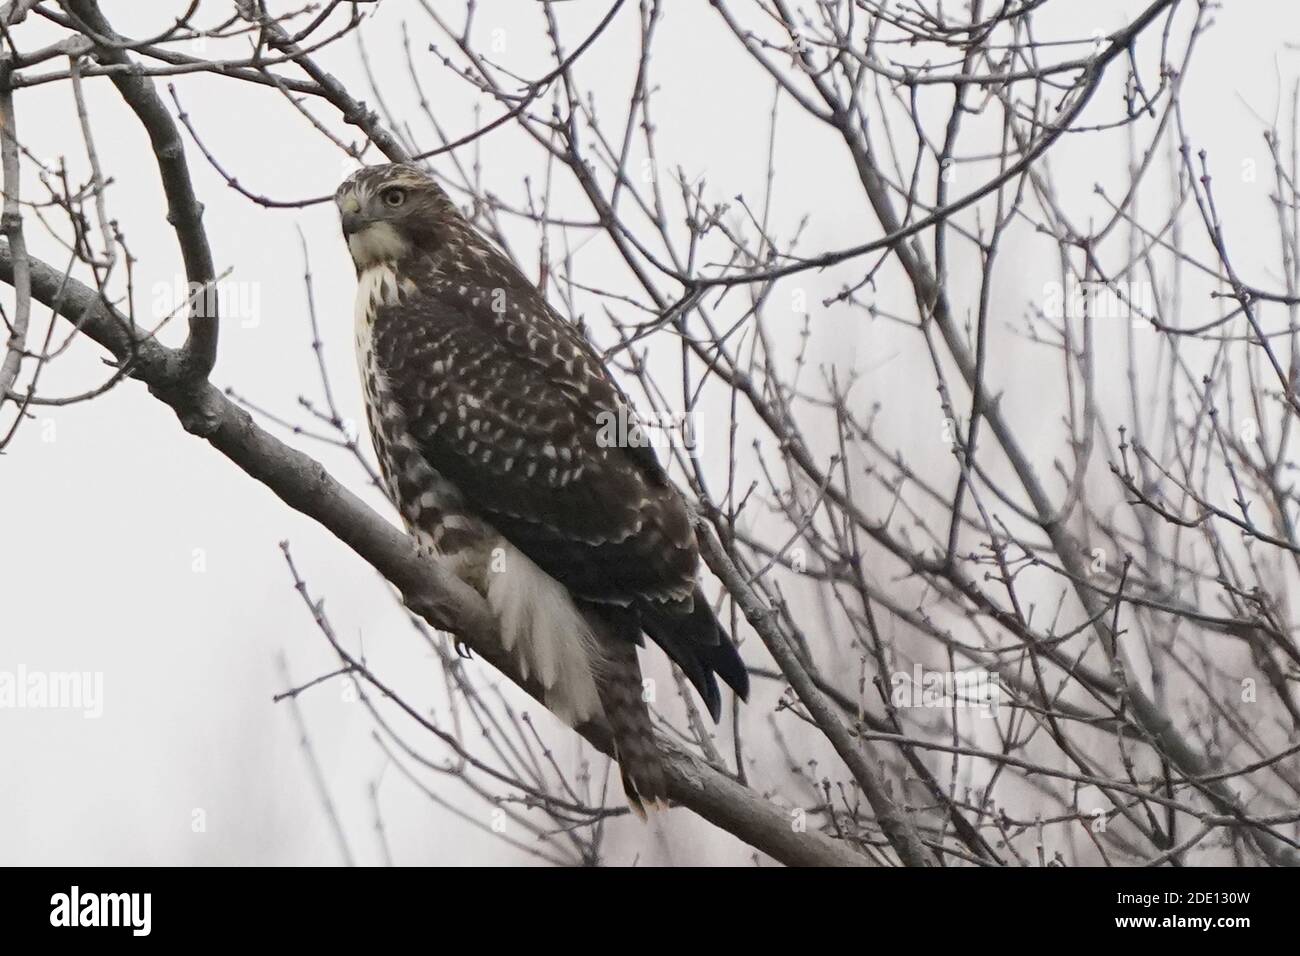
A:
x: 487, y: 409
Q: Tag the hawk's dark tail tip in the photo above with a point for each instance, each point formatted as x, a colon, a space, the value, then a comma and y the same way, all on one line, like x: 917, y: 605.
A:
x: 643, y: 794
x: 701, y: 647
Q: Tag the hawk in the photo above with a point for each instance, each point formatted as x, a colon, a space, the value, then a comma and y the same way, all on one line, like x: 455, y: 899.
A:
x: 489, y: 414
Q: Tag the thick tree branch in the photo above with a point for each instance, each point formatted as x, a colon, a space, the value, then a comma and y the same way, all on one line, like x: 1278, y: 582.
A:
x: 184, y: 211
x: 12, y: 226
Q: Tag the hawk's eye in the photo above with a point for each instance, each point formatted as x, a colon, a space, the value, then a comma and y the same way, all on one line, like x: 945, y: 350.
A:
x: 393, y: 197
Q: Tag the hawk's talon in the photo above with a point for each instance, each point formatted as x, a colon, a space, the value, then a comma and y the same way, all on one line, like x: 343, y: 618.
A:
x: 462, y: 649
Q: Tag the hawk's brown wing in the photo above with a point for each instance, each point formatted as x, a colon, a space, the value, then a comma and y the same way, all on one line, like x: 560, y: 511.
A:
x: 511, y: 405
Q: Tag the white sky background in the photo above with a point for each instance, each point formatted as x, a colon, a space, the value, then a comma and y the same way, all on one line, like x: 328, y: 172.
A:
x: 100, y: 526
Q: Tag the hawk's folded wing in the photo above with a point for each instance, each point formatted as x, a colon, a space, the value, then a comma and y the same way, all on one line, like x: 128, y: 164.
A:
x: 512, y: 406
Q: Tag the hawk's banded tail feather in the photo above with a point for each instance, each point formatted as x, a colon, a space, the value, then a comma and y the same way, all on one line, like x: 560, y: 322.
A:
x: 618, y: 682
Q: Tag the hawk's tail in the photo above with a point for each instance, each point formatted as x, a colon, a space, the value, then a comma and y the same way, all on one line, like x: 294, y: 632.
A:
x: 700, y: 646
x: 618, y: 681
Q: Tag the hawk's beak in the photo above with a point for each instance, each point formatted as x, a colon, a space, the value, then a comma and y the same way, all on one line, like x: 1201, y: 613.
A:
x: 350, y: 214
x: 351, y: 223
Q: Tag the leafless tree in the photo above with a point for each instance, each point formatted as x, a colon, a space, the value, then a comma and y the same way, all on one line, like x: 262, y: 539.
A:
x: 1058, y: 617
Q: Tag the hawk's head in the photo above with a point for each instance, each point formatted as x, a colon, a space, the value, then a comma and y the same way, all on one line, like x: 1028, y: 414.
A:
x: 391, y: 211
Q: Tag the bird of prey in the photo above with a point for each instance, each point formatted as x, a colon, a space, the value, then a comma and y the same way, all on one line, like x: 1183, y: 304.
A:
x: 489, y: 414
